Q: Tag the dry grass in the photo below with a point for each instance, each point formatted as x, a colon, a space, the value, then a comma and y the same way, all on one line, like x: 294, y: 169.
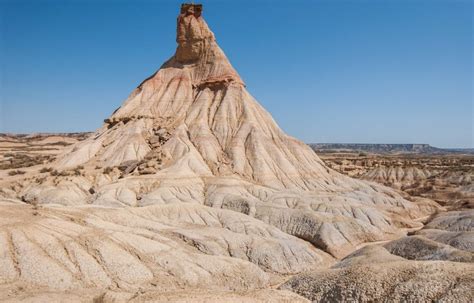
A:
x: 19, y: 160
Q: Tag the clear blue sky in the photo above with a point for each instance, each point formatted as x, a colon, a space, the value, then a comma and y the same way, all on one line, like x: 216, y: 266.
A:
x: 328, y: 71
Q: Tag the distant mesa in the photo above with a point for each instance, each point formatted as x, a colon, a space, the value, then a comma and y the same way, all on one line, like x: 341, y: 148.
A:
x: 387, y: 148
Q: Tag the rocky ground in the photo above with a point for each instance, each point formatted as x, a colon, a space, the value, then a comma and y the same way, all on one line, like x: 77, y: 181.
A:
x: 20, y: 152
x: 151, y: 244
x: 446, y: 178
x: 433, y: 263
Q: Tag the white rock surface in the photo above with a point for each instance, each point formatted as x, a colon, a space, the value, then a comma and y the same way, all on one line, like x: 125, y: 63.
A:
x: 372, y: 274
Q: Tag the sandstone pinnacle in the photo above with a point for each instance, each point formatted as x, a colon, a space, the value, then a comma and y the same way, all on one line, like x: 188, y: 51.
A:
x: 190, y: 184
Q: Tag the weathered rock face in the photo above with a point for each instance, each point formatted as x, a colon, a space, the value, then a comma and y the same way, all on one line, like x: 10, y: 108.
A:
x: 374, y: 275
x: 434, y: 264
x: 202, y: 189
x: 192, y: 133
x: 158, y: 247
x: 193, y: 35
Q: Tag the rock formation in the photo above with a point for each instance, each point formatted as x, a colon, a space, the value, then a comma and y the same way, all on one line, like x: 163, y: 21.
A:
x: 192, y: 133
x: 372, y: 274
x: 434, y: 264
x: 191, y: 185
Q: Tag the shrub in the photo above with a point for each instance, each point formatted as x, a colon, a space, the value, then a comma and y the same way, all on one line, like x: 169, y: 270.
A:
x: 64, y: 173
x: 108, y: 170
x: 16, y: 172
x: 46, y: 170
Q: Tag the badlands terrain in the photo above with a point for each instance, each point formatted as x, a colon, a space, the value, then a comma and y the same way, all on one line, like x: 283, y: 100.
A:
x: 443, y: 175
x: 190, y: 192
